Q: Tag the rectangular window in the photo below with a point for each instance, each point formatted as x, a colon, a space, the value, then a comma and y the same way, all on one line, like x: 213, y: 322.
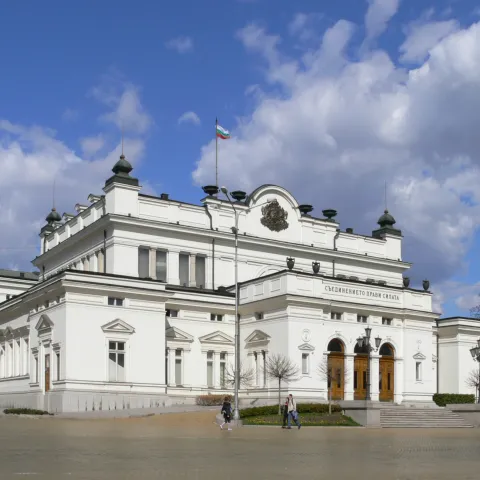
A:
x: 161, y: 266
x: 335, y: 315
x: 36, y: 369
x: 115, y: 302
x: 305, y: 369
x: 184, y: 269
x: 200, y: 271
x: 210, y: 369
x: 259, y: 316
x: 216, y: 318
x: 171, y: 313
x: 143, y: 262
x: 386, y: 321
x: 178, y: 367
x: 264, y: 368
x: 223, y: 369
x: 418, y: 371
x: 57, y: 356
x: 116, y: 361
x: 361, y: 319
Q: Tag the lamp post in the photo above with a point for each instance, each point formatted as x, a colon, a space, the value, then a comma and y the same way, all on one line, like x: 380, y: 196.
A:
x: 365, y: 342
x: 236, y: 412
x: 475, y: 351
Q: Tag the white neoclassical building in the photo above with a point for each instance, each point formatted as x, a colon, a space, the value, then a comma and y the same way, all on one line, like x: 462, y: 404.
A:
x: 134, y: 306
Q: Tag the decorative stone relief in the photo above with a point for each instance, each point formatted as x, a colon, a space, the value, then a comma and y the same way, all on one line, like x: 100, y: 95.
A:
x: 274, y: 217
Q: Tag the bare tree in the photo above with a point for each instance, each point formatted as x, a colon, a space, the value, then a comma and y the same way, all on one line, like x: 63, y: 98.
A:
x: 475, y: 311
x: 247, y: 375
x: 281, y: 368
x: 326, y: 373
x: 473, y: 381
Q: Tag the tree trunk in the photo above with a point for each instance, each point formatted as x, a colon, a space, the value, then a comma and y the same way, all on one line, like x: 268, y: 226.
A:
x: 279, y: 396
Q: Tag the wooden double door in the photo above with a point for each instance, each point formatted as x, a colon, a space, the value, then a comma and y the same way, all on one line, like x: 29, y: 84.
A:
x: 360, y: 377
x: 336, y: 377
x: 386, y: 379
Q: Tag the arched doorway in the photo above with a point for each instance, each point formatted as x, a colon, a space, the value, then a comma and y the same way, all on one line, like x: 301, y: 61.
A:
x: 360, y: 373
x: 336, y: 362
x: 386, y: 383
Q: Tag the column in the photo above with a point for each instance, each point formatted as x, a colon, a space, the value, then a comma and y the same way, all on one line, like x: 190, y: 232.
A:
x: 173, y: 275
x: 171, y: 367
x: 216, y: 369
x: 152, y: 260
x: 193, y: 281
x: 399, y: 380
x: 374, y: 377
x: 348, y: 375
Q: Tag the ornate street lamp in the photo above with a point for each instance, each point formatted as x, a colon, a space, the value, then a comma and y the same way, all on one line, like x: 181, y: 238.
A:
x: 365, y: 342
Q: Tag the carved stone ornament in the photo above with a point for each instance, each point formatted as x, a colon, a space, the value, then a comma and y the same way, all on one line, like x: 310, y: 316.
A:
x: 274, y: 217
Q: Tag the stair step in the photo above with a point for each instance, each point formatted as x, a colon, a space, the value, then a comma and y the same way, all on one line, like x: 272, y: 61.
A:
x: 421, y: 418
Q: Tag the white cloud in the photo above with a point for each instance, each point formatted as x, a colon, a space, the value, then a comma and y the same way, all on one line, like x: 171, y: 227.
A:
x: 91, y: 145
x: 378, y: 15
x: 70, y: 115
x: 303, y: 26
x: 181, y: 44
x: 339, y: 128
x: 189, y: 117
x: 31, y: 159
x: 421, y: 37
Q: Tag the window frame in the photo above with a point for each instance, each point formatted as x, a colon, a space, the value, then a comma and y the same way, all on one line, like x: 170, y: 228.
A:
x: 418, y: 371
x: 117, y: 352
x: 216, y: 317
x: 116, y: 302
x: 333, y: 315
x: 362, y: 318
x: 157, y: 251
x: 306, y: 370
x: 387, y: 321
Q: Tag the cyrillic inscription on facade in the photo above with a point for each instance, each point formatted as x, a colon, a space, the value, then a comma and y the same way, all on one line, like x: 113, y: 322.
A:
x: 358, y: 292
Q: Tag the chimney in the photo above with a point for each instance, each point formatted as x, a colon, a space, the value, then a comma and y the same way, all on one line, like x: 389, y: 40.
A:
x: 164, y: 196
x: 349, y: 230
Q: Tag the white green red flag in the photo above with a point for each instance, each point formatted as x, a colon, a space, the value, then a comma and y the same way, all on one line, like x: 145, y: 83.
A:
x: 222, y: 133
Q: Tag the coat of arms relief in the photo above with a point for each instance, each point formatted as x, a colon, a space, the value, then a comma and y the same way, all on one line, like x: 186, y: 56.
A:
x: 274, y: 217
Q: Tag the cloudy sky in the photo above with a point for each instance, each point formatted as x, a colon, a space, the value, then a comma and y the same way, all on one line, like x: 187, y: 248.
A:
x: 329, y: 99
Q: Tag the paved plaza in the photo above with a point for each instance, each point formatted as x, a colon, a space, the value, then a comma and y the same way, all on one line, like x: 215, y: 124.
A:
x: 190, y: 446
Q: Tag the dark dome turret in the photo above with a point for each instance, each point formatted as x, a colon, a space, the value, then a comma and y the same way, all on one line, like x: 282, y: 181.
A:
x: 53, y: 216
x: 123, y: 166
x: 386, y: 220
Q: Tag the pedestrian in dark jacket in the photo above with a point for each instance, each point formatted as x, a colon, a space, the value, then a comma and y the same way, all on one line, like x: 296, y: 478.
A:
x: 285, y: 413
x: 227, y: 413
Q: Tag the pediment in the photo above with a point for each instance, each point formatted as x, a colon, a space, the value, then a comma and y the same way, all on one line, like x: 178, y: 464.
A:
x: 419, y: 356
x: 257, y: 336
x: 306, y: 347
x: 118, y: 326
x: 174, y: 333
x: 44, y: 323
x: 217, y: 337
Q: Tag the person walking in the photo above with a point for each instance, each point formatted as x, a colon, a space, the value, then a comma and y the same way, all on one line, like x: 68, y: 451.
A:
x: 292, y: 413
x: 226, y: 412
x: 285, y: 413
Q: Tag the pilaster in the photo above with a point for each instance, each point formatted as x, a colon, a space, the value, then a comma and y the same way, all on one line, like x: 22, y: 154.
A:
x: 399, y: 381
x: 348, y: 376
x: 216, y: 369
x: 374, y: 377
x: 193, y: 281
x: 173, y: 266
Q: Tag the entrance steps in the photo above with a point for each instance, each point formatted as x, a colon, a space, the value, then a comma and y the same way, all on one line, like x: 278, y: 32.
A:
x: 418, y: 417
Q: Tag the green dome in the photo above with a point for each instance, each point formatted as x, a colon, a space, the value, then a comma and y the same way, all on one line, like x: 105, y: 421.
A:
x: 122, y: 166
x: 386, y: 220
x: 53, y: 216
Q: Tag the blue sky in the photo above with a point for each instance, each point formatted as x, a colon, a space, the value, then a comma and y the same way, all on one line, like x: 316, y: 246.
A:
x: 66, y: 64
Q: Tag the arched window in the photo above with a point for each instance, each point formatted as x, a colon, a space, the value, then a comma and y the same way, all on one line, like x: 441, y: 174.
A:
x: 386, y: 350
x: 363, y: 350
x: 335, y: 345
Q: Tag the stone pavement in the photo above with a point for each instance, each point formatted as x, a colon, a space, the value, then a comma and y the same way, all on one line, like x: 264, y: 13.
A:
x: 191, y: 446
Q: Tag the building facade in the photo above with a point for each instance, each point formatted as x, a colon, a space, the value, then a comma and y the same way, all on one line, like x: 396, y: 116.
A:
x: 134, y: 305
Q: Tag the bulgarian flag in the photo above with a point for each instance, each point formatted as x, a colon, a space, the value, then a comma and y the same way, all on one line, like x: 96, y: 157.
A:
x: 222, y: 133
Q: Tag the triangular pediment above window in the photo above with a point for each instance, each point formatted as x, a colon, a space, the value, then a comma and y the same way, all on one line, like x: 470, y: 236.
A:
x: 257, y: 336
x: 419, y: 356
x: 306, y: 347
x: 218, y: 338
x: 44, y: 323
x: 174, y: 333
x: 118, y: 326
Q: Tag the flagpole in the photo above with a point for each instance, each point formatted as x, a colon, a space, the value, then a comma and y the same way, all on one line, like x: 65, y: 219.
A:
x: 216, y: 153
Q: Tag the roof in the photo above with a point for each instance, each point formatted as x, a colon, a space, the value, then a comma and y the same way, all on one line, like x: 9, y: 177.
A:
x: 19, y: 274
x: 458, y: 318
